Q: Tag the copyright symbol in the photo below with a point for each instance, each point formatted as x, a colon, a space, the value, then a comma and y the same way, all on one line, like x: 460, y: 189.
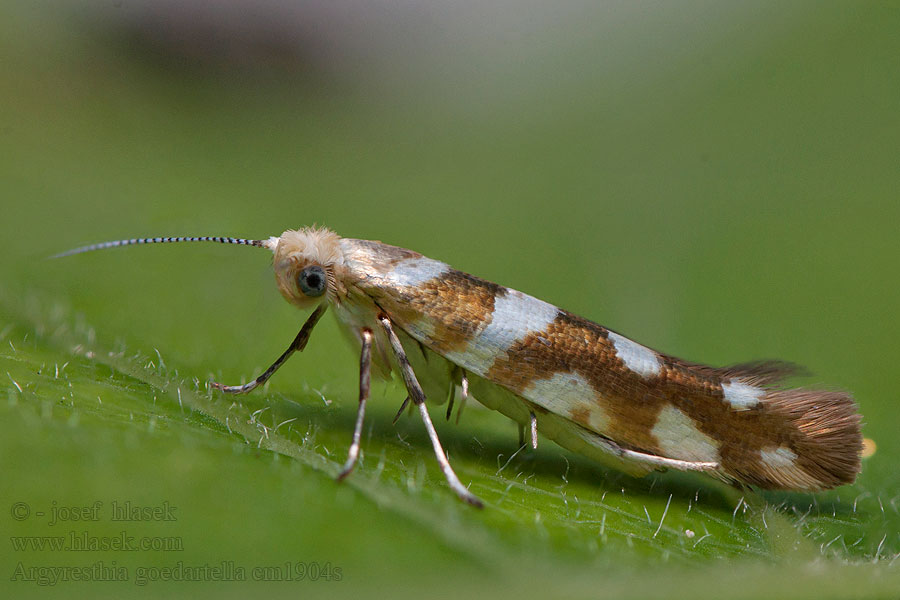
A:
x: 20, y: 511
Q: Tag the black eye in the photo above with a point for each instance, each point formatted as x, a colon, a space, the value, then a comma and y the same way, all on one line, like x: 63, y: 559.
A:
x: 312, y: 280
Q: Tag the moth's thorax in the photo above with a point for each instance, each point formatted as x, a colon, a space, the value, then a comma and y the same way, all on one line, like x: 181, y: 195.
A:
x: 297, y: 249
x: 370, y: 260
x: 373, y: 269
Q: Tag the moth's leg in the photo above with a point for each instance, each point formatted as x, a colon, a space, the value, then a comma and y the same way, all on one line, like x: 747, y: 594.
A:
x: 662, y: 461
x: 457, y: 378
x: 613, y: 448
x: 533, y: 430
x: 451, y: 396
x: 297, y: 345
x: 400, y: 412
x: 418, y: 398
x: 365, y: 366
x: 463, y: 394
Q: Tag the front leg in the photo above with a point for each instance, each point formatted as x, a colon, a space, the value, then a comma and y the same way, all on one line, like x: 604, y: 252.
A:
x: 297, y: 345
x: 365, y: 367
x: 418, y: 397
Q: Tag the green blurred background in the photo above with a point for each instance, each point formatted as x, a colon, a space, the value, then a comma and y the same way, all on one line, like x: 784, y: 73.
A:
x: 716, y: 180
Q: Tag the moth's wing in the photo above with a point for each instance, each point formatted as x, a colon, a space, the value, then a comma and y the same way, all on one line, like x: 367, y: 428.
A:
x: 436, y: 376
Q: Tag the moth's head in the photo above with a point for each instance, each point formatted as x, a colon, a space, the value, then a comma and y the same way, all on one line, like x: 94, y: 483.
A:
x: 305, y: 264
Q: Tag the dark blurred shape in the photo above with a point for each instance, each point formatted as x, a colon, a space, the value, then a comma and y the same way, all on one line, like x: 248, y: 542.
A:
x: 251, y: 36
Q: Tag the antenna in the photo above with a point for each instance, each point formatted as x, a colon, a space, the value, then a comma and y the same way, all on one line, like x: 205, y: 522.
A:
x: 164, y: 240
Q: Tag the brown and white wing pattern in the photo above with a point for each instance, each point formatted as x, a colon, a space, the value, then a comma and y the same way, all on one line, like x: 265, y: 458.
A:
x: 645, y: 402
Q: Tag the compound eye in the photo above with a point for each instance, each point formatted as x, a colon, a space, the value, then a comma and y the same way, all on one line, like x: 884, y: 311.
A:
x: 312, y: 280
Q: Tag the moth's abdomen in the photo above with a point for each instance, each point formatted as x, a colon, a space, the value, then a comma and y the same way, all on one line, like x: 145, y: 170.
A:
x: 642, y: 400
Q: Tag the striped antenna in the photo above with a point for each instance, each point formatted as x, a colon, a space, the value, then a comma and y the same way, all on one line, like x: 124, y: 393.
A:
x: 163, y: 240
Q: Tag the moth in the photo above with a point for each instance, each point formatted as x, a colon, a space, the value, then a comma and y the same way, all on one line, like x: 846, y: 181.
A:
x: 452, y: 335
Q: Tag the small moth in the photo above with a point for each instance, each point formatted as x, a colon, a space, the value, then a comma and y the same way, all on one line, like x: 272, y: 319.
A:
x: 450, y: 334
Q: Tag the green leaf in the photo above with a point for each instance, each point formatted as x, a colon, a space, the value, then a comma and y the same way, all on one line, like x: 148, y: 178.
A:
x: 717, y: 184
